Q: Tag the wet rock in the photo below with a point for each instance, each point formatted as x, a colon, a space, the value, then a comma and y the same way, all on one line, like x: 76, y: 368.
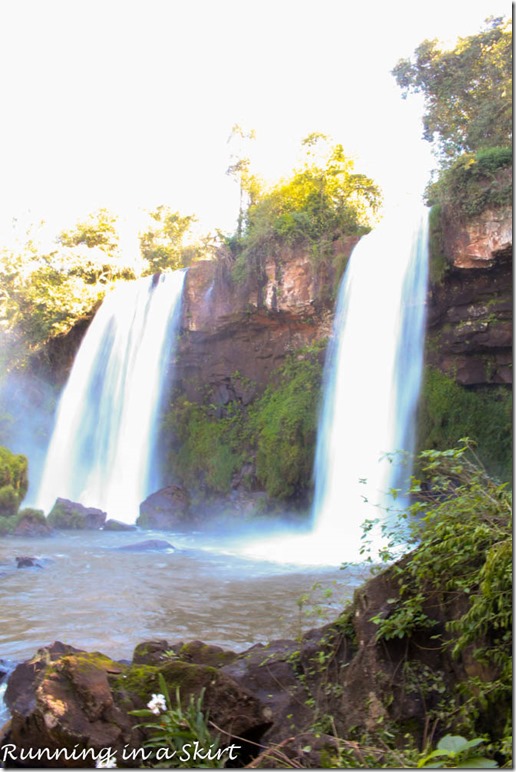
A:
x: 67, y: 514
x: 117, y: 525
x: 150, y: 545
x: 66, y: 697
x: 32, y: 523
x: 165, y: 510
x: 24, y: 561
x: 62, y: 698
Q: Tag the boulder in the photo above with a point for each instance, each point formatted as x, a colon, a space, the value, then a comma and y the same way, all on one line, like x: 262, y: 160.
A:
x: 32, y: 523
x: 117, y: 525
x: 165, y: 510
x: 149, y: 545
x: 67, y: 514
x: 66, y: 698
x: 24, y: 561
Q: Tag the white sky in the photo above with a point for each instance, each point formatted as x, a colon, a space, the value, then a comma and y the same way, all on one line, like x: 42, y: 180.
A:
x: 128, y: 105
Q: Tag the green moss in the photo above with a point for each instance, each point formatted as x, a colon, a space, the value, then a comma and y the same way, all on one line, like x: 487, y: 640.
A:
x: 437, y: 265
x: 449, y: 412
x: 138, y: 680
x: 284, y: 425
x: 275, y: 435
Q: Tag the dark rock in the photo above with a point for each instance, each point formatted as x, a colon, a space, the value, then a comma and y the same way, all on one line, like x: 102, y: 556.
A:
x: 165, y: 510
x: 469, y: 328
x: 32, y: 523
x: 67, y: 514
x: 66, y: 697
x: 150, y: 545
x: 27, y: 562
x: 117, y: 525
x: 62, y: 698
x: 153, y: 652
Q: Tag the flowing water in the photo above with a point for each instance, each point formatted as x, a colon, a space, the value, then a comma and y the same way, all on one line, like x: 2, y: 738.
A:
x: 101, y: 451
x: 373, y: 376
x: 372, y: 381
x: 93, y: 595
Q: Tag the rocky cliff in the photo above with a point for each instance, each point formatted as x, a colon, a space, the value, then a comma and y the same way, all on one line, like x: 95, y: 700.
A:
x: 248, y: 328
x: 236, y: 333
x: 470, y: 300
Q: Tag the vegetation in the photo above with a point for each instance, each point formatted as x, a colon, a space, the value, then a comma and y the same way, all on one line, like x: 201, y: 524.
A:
x: 13, y: 481
x: 324, y: 199
x: 448, y: 411
x: 475, y: 182
x: 462, y: 525
x: 181, y: 738
x: 467, y: 90
x: 46, y: 291
x: 161, y: 244
x: 275, y: 435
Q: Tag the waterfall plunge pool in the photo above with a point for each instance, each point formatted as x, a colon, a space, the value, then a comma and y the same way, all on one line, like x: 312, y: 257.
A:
x: 94, y: 596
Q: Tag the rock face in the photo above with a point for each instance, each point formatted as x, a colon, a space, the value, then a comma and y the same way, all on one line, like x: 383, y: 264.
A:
x: 470, y: 308
x: 72, y: 515
x: 236, y: 333
x: 167, y: 509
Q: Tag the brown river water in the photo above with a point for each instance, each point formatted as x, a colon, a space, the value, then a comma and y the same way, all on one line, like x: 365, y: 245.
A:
x: 93, y: 595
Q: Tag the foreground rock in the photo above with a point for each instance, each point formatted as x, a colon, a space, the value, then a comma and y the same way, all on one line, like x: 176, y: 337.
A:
x: 66, y: 698
x: 166, y: 510
x: 67, y: 514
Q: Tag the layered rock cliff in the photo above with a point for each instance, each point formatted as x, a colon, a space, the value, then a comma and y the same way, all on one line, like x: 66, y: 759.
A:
x: 470, y: 303
x: 236, y: 333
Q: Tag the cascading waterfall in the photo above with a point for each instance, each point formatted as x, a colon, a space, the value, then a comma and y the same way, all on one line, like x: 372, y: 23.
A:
x: 372, y: 382
x: 101, y: 451
x: 371, y: 387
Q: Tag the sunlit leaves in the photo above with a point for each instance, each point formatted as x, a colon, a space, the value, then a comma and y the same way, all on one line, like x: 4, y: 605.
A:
x: 467, y: 90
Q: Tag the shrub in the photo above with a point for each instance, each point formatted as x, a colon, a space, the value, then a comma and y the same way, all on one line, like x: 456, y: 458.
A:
x: 449, y: 411
x: 13, y: 481
x: 475, y: 182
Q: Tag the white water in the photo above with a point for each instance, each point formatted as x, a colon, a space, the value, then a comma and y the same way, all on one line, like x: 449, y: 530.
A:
x: 372, y: 381
x: 101, y: 451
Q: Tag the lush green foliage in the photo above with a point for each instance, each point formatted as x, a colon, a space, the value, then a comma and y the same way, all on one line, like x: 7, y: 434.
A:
x: 323, y: 200
x: 162, y: 244
x: 467, y: 90
x: 44, y: 292
x: 283, y: 427
x: 13, y: 481
x: 453, y: 752
x: 98, y: 230
x: 448, y: 411
x: 475, y: 182
x: 207, y: 449
x: 275, y: 435
x: 463, y: 561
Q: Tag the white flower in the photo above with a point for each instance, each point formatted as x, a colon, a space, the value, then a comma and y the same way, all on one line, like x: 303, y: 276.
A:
x: 108, y: 762
x: 157, y: 704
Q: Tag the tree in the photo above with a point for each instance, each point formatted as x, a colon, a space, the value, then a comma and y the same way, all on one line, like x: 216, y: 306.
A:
x: 324, y: 199
x: 162, y: 243
x: 467, y: 90
x: 240, y: 170
x: 98, y: 230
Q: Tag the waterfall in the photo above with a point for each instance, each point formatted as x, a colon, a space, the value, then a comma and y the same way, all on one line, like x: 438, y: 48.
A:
x: 101, y: 450
x: 372, y: 381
